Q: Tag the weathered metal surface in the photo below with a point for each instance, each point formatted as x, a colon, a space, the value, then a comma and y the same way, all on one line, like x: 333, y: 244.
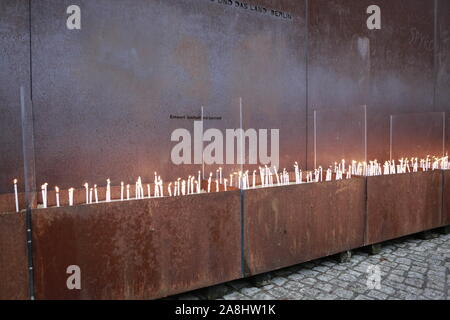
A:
x: 14, y: 72
x: 103, y: 95
x: 138, y: 249
x: 296, y: 223
x: 390, y: 70
x: 446, y: 199
x: 402, y: 204
x: 442, y: 102
x: 417, y: 135
x: 13, y: 257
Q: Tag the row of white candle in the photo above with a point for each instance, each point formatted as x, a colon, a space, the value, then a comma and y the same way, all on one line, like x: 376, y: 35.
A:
x: 190, y: 186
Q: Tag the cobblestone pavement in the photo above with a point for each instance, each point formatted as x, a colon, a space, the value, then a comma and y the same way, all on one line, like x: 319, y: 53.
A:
x: 410, y: 268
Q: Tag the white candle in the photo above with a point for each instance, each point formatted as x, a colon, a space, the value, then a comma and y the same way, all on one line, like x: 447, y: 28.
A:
x: 86, y: 186
x: 57, y: 196
x: 108, y: 190
x: 44, y: 194
x: 71, y: 197
x: 169, y: 188
x: 161, y: 186
x: 209, y: 182
x: 189, y: 185
x: 128, y: 192
x: 16, y: 195
x: 220, y: 174
x: 96, y: 193
x: 198, y: 179
x: 217, y: 185
x: 121, y: 191
x: 225, y: 183
x: 90, y: 195
x: 254, y: 178
x: 183, y: 187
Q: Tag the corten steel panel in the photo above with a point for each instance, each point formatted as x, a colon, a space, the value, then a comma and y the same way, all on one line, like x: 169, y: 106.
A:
x: 292, y: 224
x: 417, y: 135
x: 338, y: 63
x: 103, y: 95
x: 442, y: 102
x: 14, y: 72
x: 446, y: 198
x: 402, y: 204
x: 13, y: 257
x: 401, y: 68
x: 390, y: 70
x: 138, y: 249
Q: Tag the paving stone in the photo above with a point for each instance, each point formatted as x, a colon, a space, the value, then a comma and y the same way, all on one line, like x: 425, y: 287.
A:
x: 377, y: 295
x: 250, y: 291
x: 309, y: 281
x: 414, y: 282
x: 235, y: 296
x: 279, y: 281
x: 263, y: 296
x: 343, y: 293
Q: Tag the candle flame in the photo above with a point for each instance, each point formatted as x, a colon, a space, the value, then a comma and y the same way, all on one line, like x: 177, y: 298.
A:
x: 15, y: 181
x: 56, y: 189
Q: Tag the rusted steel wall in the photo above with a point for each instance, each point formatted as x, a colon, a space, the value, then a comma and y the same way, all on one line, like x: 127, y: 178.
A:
x: 103, y: 95
x: 14, y: 72
x: 13, y: 257
x: 139, y: 249
x: 446, y: 199
x: 292, y: 224
x: 391, y: 71
x: 402, y: 204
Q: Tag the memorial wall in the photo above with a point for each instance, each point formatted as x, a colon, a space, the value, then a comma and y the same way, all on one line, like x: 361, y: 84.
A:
x: 99, y: 95
x: 108, y: 96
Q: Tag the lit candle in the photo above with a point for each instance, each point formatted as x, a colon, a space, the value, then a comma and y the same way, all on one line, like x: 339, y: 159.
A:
x: 209, y: 182
x: 161, y: 186
x: 128, y: 192
x: 86, y: 186
x: 169, y: 188
x: 183, y: 187
x: 179, y: 186
x: 16, y: 195
x: 57, y: 196
x: 121, y: 191
x: 225, y: 183
x: 108, y: 190
x: 246, y: 178
x: 44, y: 194
x: 220, y: 174
x: 95, y: 193
x: 217, y: 185
x: 90, y: 195
x: 231, y: 179
x: 189, y: 185
x: 71, y: 197
x: 198, y: 179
